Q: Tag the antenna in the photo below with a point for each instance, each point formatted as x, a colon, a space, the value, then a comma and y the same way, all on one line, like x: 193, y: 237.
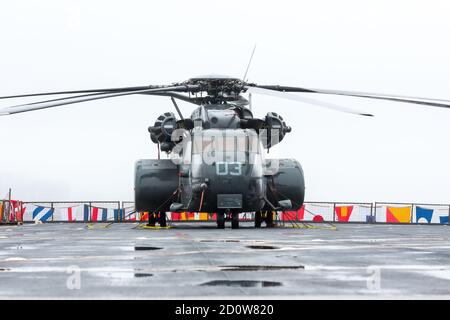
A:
x: 249, y: 62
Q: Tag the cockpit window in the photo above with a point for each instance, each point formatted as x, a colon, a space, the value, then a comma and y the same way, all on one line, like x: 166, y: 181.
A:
x: 224, y: 143
x: 212, y: 146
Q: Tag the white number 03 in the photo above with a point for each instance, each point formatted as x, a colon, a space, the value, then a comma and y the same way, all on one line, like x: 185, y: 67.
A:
x: 228, y: 168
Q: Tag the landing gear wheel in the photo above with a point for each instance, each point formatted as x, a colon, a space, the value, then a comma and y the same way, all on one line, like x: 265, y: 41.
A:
x: 269, y: 220
x: 151, y: 219
x: 220, y: 221
x: 235, y: 221
x: 258, y: 219
x: 162, y: 219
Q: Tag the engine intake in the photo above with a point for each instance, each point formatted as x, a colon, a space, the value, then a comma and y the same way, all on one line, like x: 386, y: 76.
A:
x: 161, y: 132
x: 275, y: 130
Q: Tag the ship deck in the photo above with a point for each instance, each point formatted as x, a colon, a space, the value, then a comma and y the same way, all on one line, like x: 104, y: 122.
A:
x: 195, y: 260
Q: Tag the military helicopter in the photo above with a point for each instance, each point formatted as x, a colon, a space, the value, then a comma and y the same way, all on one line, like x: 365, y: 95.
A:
x: 217, y: 159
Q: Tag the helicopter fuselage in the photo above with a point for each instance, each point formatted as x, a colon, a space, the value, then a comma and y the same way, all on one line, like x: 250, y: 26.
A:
x: 226, y: 171
x: 218, y: 165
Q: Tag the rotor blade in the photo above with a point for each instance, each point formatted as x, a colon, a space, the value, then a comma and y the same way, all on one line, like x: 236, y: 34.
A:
x: 168, y: 93
x: 397, y: 98
x: 89, y: 97
x: 81, y: 91
x: 67, y: 98
x: 290, y: 96
x: 178, y: 96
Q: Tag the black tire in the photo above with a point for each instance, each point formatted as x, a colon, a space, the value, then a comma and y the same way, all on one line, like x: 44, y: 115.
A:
x: 269, y: 219
x: 235, y: 221
x: 151, y: 219
x: 162, y: 219
x: 258, y: 219
x: 220, y: 221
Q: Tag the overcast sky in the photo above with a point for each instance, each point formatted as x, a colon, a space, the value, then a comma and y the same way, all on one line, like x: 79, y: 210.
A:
x: 87, y: 151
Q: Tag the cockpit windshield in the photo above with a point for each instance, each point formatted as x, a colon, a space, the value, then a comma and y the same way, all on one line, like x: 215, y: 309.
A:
x: 218, y: 145
x: 226, y: 141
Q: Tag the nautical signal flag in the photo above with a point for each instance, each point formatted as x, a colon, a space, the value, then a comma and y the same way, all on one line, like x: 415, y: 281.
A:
x: 131, y: 216
x: 143, y: 216
x: 42, y: 214
x: 343, y: 213
x: 202, y: 216
x: 96, y: 214
x: 427, y: 214
x: 317, y: 212
x: 17, y: 211
x: 186, y: 216
x: 99, y: 214
x: 68, y: 214
x: 422, y: 213
x: 318, y: 218
x: 398, y: 214
x: 293, y: 215
x: 244, y: 216
x: 118, y: 214
x: 191, y: 216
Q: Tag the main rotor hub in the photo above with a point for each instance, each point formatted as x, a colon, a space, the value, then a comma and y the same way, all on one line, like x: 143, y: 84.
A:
x: 218, y: 86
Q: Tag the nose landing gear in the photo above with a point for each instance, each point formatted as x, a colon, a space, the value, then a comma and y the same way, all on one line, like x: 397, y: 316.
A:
x: 222, y: 217
x: 258, y: 219
x: 266, y: 216
x: 154, y: 217
x: 234, y: 220
x: 220, y: 221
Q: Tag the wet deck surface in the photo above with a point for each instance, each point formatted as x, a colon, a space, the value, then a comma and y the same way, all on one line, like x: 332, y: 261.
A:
x: 198, y: 261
